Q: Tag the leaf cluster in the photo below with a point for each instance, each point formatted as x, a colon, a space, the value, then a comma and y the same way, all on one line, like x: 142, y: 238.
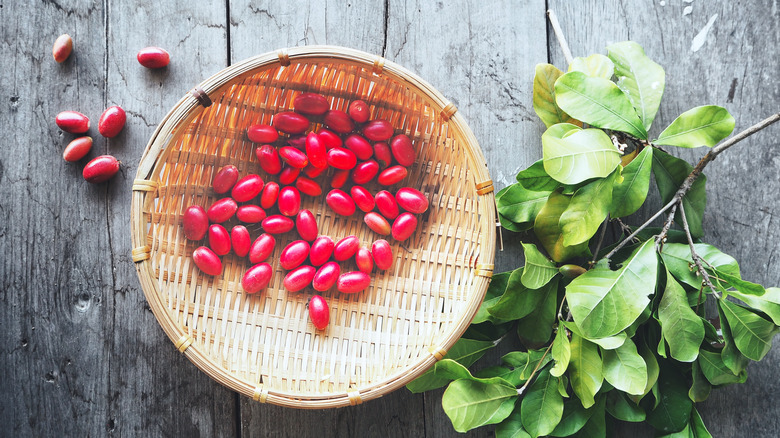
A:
x: 627, y: 337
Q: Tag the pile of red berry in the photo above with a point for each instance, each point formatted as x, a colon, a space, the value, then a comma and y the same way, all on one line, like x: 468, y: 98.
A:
x: 360, y: 152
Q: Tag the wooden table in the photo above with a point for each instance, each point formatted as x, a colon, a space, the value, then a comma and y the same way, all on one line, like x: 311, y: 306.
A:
x: 80, y: 352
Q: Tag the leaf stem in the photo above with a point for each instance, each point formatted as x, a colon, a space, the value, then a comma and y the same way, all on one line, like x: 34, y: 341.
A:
x: 533, y: 373
x: 661, y: 239
x: 641, y: 227
x: 696, y: 259
x: 559, y: 34
x: 601, y: 241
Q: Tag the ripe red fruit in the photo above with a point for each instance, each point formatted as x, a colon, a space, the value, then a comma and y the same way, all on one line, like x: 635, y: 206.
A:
x: 112, y: 121
x: 225, y: 179
x: 294, y: 254
x: 358, y: 111
x: 73, y: 122
x: 289, y: 175
x: 219, y: 239
x: 339, y: 121
x: 262, y: 134
x: 403, y: 151
x: 329, y: 138
x: 314, y: 172
x: 308, y: 186
x: 360, y: 146
x: 277, y: 224
x: 306, y: 224
x: 250, y: 214
x: 392, y: 175
x: 378, y: 130
x: 247, y: 188
x: 404, y: 226
x: 364, y: 260
x: 262, y: 248
x: 290, y: 122
x: 100, y: 169
x: 222, y: 210
x: 386, y: 204
x: 297, y: 141
x: 63, y: 46
x: 316, y: 151
x: 319, y: 312
x: 340, y: 202
x: 240, y: 240
x: 383, y: 254
x: 289, y: 201
x: 353, y: 282
x: 153, y: 57
x: 362, y: 198
x: 365, y: 172
x: 383, y: 154
x: 257, y: 278
x: 326, y: 276
x: 411, y: 200
x: 321, y: 250
x: 269, y: 159
x: 339, y: 178
x: 208, y: 262
x: 77, y: 149
x: 195, y: 222
x: 294, y: 157
x: 346, y: 248
x: 312, y: 104
x: 269, y: 195
x: 341, y: 158
x: 299, y: 278
x: 377, y: 223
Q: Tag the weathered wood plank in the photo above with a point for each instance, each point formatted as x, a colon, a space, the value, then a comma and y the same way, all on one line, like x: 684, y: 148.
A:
x: 258, y: 29
x: 155, y: 391
x: 53, y: 239
x: 736, y: 67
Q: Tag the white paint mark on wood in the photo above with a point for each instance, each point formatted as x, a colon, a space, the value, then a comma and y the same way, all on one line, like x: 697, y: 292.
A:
x: 687, y: 10
x: 701, y: 37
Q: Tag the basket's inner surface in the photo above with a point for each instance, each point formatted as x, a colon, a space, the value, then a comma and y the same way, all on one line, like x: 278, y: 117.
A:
x: 267, y: 338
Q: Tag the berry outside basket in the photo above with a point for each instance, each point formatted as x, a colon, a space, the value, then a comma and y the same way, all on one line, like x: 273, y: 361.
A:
x: 264, y: 345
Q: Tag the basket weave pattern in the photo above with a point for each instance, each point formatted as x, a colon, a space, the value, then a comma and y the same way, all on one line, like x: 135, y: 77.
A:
x: 264, y: 345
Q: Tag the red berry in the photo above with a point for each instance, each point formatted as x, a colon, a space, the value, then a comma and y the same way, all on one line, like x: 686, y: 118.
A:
x: 392, y: 175
x: 225, y: 179
x: 383, y: 254
x: 269, y: 196
x: 365, y: 172
x: 289, y: 201
x: 257, y: 278
x: 100, y: 169
x: 326, y: 276
x: 378, y: 130
x: 294, y: 254
x: 262, y: 134
x: 411, y: 200
x: 294, y: 157
x: 219, y: 239
x: 299, y: 278
x: 339, y: 121
x: 316, y: 151
x: 360, y: 146
x: 312, y: 104
x: 262, y: 248
x: 240, y: 240
x: 73, y: 122
x: 321, y: 250
x: 339, y: 178
x: 195, y: 222
x: 308, y: 186
x: 329, y: 138
x: 314, y: 172
x: 112, y: 121
x: 290, y: 122
x: 364, y: 260
x: 353, y: 282
x: 153, y: 57
x: 377, y: 223
x: 289, y: 175
x: 63, y: 47
x: 341, y: 158
x: 346, y: 248
x: 277, y: 224
x: 77, y: 149
x: 383, y: 154
x: 208, y: 262
x: 404, y: 226
x: 358, y: 111
x: 340, y: 202
x: 319, y: 312
x: 386, y: 204
x: 269, y: 159
x: 247, y: 188
x: 306, y: 224
x: 222, y: 210
x: 250, y: 214
x: 403, y: 151
x: 362, y: 198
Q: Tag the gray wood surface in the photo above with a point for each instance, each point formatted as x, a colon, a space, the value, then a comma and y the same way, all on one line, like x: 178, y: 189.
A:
x: 80, y: 352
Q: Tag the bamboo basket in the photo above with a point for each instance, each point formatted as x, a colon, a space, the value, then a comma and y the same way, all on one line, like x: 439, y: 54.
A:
x: 263, y: 345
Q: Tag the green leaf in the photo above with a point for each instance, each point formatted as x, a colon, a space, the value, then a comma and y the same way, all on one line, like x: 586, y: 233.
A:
x: 604, y: 302
x: 512, y: 426
x: 630, y: 194
x: 464, y: 351
x: 598, y: 102
x: 544, y: 96
x: 623, y: 409
x: 734, y: 360
x: 495, y: 289
x: 561, y: 352
x: 539, y: 270
x: 768, y: 303
x: 700, y: 126
x: 608, y: 343
x: 536, y: 179
x: 639, y: 77
x: 744, y: 287
x: 697, y: 426
x: 473, y: 403
x: 585, y: 370
x: 596, y: 65
x: 587, y: 209
x: 573, y: 419
x: 680, y: 325
x: 625, y: 369
x: 572, y: 155
x: 674, y: 407
x: 549, y: 233
x: 526, y: 361
x: 511, y: 375
x: 542, y: 407
x: 514, y: 227
x: 677, y: 258
x: 518, y: 300
x: 520, y: 205
x: 716, y: 372
x: 534, y: 329
x: 652, y: 369
x: 670, y: 172
x: 701, y: 387
x: 752, y: 333
x: 449, y: 369
x: 487, y: 331
x: 596, y: 426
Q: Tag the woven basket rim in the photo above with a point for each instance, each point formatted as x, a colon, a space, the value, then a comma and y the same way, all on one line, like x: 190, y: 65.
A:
x: 188, y: 107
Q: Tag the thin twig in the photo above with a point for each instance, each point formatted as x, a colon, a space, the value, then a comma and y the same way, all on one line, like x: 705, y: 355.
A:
x: 661, y: 239
x: 696, y: 259
x: 560, y: 308
x: 641, y: 227
x: 601, y: 241
x: 528, y: 382
x: 559, y: 34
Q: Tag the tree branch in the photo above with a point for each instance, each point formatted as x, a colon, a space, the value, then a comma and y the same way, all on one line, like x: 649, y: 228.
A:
x: 696, y: 259
x: 528, y: 382
x: 601, y: 241
x: 559, y: 34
